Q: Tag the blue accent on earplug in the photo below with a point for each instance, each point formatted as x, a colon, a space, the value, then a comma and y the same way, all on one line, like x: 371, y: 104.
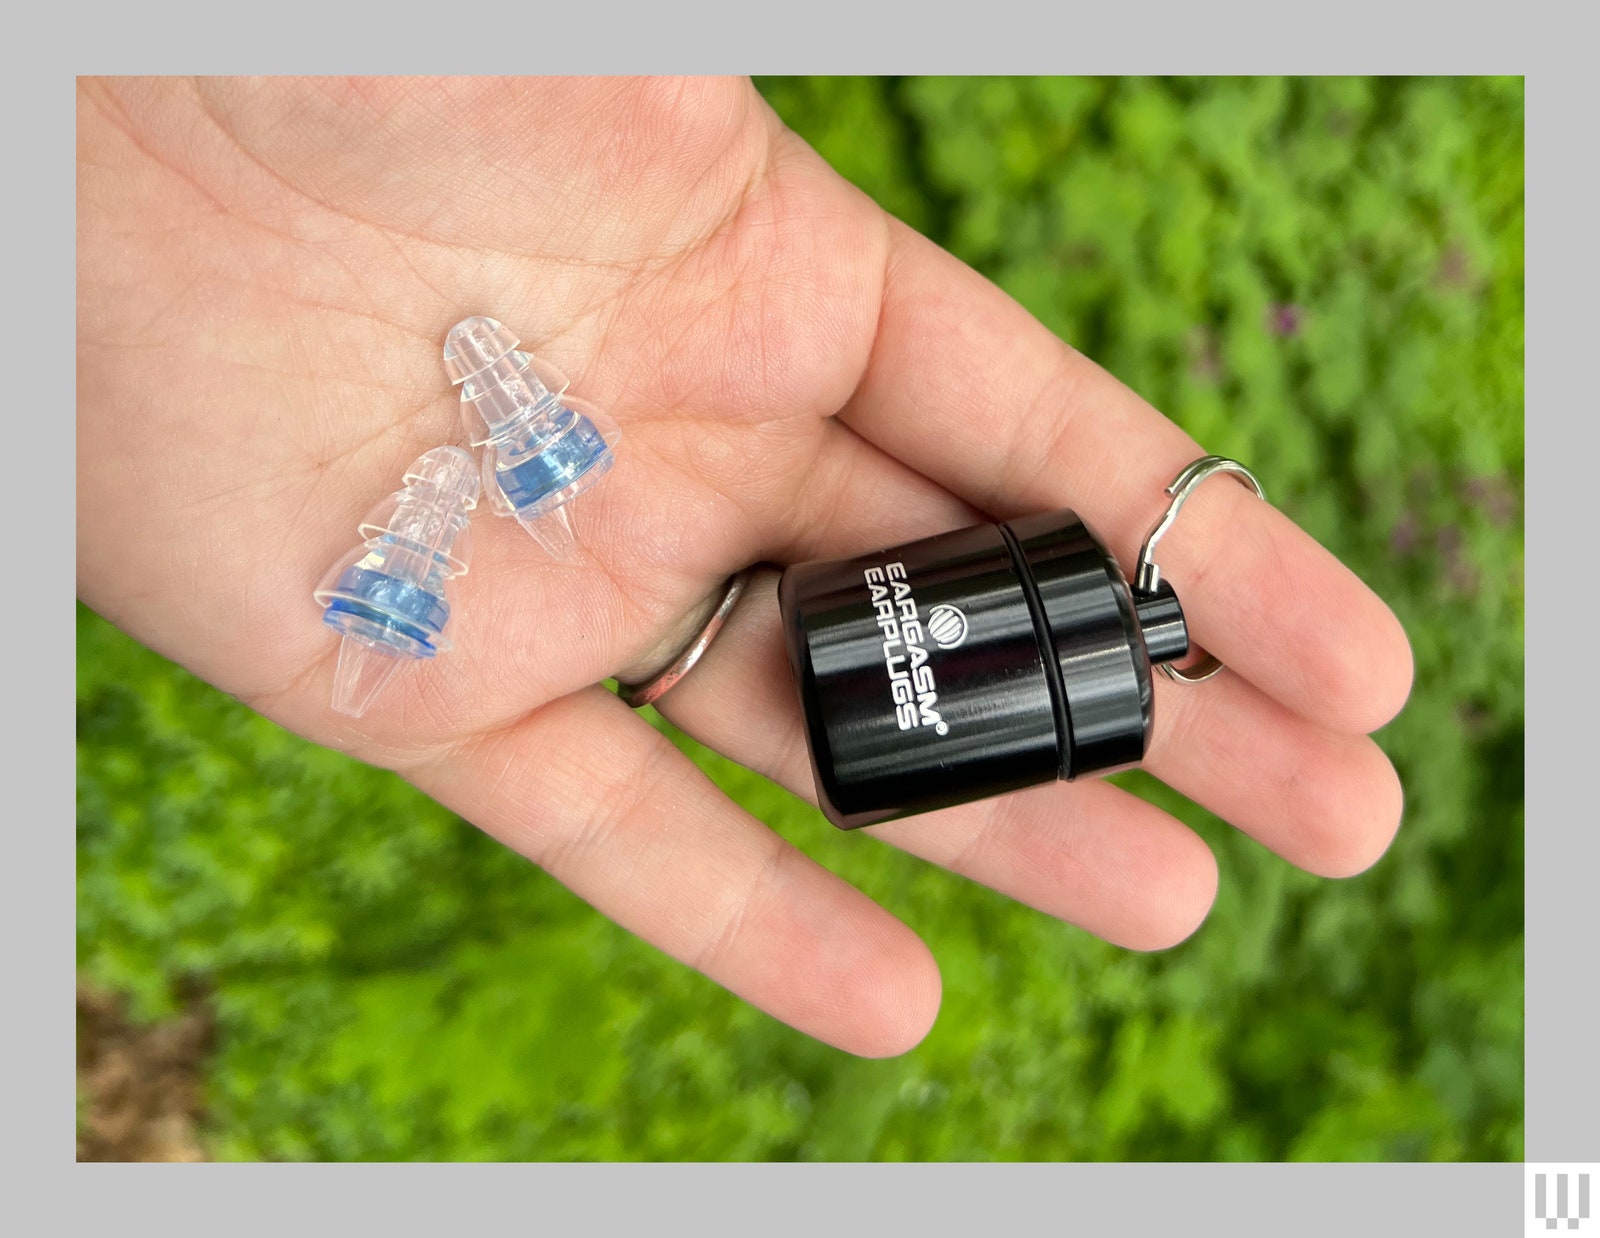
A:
x: 568, y: 455
x: 415, y: 616
x: 386, y: 597
x: 541, y: 447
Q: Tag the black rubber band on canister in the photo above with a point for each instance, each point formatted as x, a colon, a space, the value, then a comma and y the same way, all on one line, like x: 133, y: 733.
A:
x: 1052, y: 666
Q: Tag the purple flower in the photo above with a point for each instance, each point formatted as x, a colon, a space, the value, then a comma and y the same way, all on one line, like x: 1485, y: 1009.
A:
x: 1403, y: 540
x: 1284, y: 320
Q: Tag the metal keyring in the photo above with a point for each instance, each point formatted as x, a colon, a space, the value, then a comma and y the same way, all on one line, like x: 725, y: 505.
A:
x: 1149, y: 575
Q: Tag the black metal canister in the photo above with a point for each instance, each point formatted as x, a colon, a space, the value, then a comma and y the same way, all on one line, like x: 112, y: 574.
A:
x: 972, y: 663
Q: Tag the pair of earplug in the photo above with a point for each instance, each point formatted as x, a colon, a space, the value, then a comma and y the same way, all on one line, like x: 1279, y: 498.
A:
x: 540, y: 449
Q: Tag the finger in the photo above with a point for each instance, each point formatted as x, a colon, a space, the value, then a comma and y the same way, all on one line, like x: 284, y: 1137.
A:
x: 606, y: 805
x: 1326, y: 801
x: 1089, y: 853
x: 967, y: 387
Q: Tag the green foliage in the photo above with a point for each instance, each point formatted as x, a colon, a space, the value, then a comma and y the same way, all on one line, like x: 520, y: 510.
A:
x: 1322, y: 277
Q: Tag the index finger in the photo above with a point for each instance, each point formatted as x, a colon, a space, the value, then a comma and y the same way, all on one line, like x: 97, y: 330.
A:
x: 967, y: 387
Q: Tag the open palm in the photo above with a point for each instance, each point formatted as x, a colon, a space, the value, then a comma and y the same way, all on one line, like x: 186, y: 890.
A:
x: 266, y: 274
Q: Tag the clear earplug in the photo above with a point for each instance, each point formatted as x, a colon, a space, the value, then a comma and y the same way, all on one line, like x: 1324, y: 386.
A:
x: 542, y: 448
x: 387, y: 597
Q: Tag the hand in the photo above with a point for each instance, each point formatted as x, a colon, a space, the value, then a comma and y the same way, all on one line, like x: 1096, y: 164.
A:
x: 266, y: 274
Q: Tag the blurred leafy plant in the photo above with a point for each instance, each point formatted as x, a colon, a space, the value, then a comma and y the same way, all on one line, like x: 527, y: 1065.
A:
x: 1322, y: 277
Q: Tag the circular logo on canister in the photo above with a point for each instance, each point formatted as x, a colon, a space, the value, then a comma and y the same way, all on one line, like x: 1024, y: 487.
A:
x: 947, y: 625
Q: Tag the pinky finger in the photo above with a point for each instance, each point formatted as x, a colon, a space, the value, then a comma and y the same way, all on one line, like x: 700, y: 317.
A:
x: 605, y: 804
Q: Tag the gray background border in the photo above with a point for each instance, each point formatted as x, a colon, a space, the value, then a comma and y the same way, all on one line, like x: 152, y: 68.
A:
x: 1563, y: 852
x: 1562, y: 892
